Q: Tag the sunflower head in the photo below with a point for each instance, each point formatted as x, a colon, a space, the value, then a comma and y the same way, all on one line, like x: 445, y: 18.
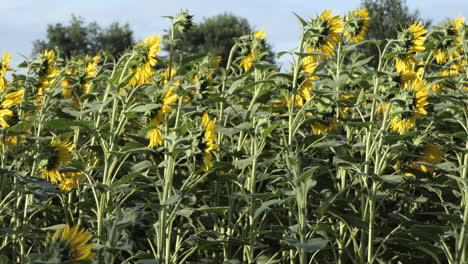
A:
x: 356, y: 25
x: 206, y: 142
x: 409, y: 106
x: 70, y: 181
x: 57, y: 153
x: 68, y: 244
x: 323, y: 126
x: 411, y: 39
x: 3, y: 69
x: 323, y: 33
x: 145, y: 59
x: 247, y: 62
x: 446, y: 37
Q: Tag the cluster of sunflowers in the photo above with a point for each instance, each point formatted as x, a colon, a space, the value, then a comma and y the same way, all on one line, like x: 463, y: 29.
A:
x: 234, y: 139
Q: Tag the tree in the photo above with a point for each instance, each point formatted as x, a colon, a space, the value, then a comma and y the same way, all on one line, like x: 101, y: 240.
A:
x: 387, y: 18
x: 214, y: 35
x: 77, y: 38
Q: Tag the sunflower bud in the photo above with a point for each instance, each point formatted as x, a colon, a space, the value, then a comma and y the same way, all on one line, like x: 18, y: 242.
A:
x: 183, y: 21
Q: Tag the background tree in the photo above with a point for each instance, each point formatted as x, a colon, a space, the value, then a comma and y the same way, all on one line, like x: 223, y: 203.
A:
x: 214, y: 35
x: 387, y: 18
x: 91, y: 39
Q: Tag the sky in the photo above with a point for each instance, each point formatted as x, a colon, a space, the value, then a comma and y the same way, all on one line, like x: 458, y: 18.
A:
x: 23, y: 21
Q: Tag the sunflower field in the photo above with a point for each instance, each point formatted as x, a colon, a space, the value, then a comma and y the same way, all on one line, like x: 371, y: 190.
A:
x: 150, y: 159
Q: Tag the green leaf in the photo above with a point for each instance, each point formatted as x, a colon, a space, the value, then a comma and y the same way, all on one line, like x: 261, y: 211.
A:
x: 310, y: 246
x: 241, y: 164
x: 306, y: 176
x: 268, y: 130
x: 301, y: 20
x: 142, y: 165
x: 266, y: 206
x: 126, y: 178
x: 144, y: 108
x: 173, y: 198
x: 60, y: 124
x: 329, y: 144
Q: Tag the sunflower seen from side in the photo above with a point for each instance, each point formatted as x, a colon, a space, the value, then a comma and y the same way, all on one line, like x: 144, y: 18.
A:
x: 5, y: 108
x: 69, y: 245
x: 447, y: 37
x: 158, y: 116
x: 309, y: 64
x: 409, y: 106
x: 207, y: 145
x: 145, y: 53
x: 254, y: 46
x: 3, y: 69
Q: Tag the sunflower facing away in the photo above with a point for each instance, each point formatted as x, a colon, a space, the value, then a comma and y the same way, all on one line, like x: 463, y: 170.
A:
x: 410, y: 106
x: 87, y: 70
x: 59, y: 152
x: 159, y: 116
x: 46, y: 73
x: 323, y: 33
x: 9, y: 100
x: 68, y: 244
x: 3, y: 69
x: 146, y: 58
x: 410, y: 40
x: 208, y: 142
x: 447, y: 38
x: 356, y: 25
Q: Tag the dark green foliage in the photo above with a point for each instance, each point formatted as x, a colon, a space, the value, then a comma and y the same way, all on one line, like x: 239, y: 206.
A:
x: 79, y: 38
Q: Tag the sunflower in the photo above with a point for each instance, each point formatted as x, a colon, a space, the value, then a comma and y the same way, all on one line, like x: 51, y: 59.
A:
x: 70, y: 243
x: 309, y: 64
x: 432, y: 154
x: 12, y: 141
x: 410, y: 40
x: 208, y: 142
x: 46, y: 73
x: 260, y: 34
x: 356, y: 25
x: 446, y: 38
x: 322, y: 127
x: 159, y: 116
x: 247, y: 62
x: 70, y: 181
x: 323, y: 33
x: 167, y: 76
x: 3, y: 69
x: 344, y: 110
x: 85, y: 69
x: 59, y: 153
x: 146, y: 58
x: 9, y: 100
x: 410, y: 107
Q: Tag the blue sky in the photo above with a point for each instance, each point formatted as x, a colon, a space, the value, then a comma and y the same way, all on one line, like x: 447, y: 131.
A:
x: 23, y: 21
